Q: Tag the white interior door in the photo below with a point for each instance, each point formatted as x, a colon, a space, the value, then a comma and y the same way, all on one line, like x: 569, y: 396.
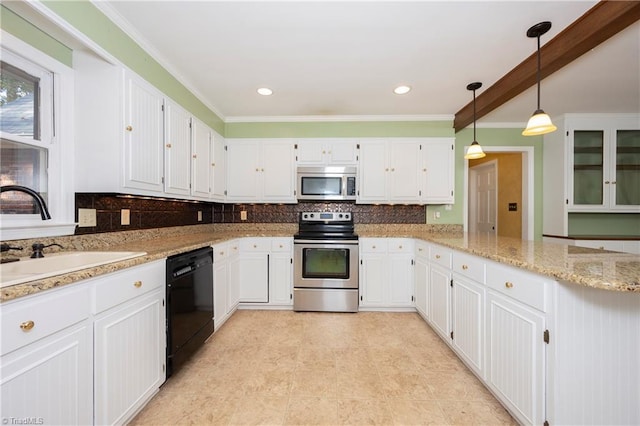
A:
x: 484, y: 198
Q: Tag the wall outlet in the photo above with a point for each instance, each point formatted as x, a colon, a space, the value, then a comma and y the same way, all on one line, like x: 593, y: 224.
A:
x: 436, y: 215
x: 125, y: 217
x: 243, y: 215
x: 199, y: 215
x: 86, y: 218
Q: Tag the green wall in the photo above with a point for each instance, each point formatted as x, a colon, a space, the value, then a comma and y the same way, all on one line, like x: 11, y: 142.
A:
x: 593, y: 224
x: 37, y: 38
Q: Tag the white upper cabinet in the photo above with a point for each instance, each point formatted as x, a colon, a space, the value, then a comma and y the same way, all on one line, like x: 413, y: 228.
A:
x: 327, y: 152
x: 177, y: 149
x: 406, y: 170
x: 261, y: 170
x: 439, y: 170
x: 201, y: 158
x: 218, y: 167
x: 143, y: 136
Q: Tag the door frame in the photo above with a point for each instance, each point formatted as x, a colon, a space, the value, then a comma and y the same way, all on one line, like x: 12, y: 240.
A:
x: 527, y: 187
x: 473, y: 205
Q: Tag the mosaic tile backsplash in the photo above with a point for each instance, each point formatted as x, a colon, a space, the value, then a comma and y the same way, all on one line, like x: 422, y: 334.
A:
x: 148, y: 212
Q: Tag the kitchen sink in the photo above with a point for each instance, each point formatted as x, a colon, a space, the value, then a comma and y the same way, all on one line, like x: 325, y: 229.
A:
x: 28, y: 269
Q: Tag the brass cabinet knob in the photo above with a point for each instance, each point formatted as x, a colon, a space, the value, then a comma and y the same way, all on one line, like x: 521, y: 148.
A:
x: 213, y: 164
x: 373, y: 247
x: 257, y: 169
x: 324, y: 152
x: 393, y: 169
x: 508, y: 284
x: 280, y: 245
x: 437, y: 256
x: 27, y: 325
x: 222, y: 253
x: 419, y: 249
x: 386, y: 170
x: 195, y: 156
x: 465, y: 267
x: 168, y: 145
x: 255, y: 246
x: 129, y: 128
x: 399, y: 247
x: 137, y: 284
x: 607, y: 182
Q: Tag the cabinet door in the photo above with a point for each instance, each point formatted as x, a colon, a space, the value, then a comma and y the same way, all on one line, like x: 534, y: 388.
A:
x: 373, y: 276
x: 233, y: 284
x: 143, y: 135
x: 280, y: 279
x: 277, y: 172
x: 467, y: 322
x: 342, y: 152
x: 311, y: 153
x: 588, y: 148
x: 405, y: 171
x: 421, y: 280
x: 625, y: 180
x: 373, y: 171
x: 400, y: 280
x: 439, y: 168
x: 200, y: 159
x: 130, y: 349
x: 254, y: 286
x: 440, y: 300
x: 50, y: 380
x: 220, y: 285
x: 243, y: 170
x: 219, y: 169
x: 177, y: 150
x: 515, y: 355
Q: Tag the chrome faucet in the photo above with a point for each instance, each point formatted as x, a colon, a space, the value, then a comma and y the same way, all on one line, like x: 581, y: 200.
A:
x: 44, y: 212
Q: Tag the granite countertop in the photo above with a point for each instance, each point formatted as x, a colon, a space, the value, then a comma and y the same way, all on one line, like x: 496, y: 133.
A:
x: 578, y: 265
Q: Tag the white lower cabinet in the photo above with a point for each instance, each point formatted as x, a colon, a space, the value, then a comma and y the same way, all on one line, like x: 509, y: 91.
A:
x: 254, y: 270
x: 281, y: 272
x: 386, y: 272
x: 129, y: 340
x: 225, y: 281
x: 467, y: 320
x: 421, y: 279
x: 515, y: 357
x: 46, y: 366
x: 440, y: 301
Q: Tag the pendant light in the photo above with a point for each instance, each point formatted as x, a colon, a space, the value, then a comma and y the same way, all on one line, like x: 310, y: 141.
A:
x: 539, y: 123
x: 475, y: 150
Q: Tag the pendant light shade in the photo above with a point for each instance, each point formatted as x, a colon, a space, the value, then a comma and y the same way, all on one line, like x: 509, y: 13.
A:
x: 475, y: 150
x: 540, y: 122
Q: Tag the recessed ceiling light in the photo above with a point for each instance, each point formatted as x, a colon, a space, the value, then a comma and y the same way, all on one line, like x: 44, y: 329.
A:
x: 265, y: 91
x: 401, y: 90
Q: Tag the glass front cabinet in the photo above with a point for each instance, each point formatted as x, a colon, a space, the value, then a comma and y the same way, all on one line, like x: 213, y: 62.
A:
x: 604, y: 163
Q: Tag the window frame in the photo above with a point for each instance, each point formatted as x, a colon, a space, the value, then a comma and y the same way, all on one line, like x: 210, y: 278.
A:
x: 56, y: 135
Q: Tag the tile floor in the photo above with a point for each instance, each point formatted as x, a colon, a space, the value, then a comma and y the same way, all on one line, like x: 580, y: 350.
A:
x: 282, y: 367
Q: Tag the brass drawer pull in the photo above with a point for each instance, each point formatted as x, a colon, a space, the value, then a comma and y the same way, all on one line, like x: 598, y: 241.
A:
x: 27, y: 325
x: 129, y: 128
x: 508, y: 284
x: 437, y: 256
x: 465, y: 267
x: 137, y: 284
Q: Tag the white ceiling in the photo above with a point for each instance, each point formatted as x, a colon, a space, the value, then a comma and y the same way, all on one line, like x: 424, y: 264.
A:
x: 343, y: 59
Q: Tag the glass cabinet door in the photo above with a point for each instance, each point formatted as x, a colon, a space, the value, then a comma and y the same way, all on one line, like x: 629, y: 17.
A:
x: 627, y: 177
x: 588, y: 168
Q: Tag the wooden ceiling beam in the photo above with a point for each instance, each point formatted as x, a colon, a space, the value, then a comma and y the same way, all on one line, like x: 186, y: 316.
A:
x: 598, y: 24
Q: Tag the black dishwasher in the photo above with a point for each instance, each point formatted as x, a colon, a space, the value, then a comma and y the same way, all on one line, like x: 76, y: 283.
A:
x: 189, y: 304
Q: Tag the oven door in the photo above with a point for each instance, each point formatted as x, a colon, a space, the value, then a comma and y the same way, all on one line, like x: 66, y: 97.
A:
x: 325, y: 264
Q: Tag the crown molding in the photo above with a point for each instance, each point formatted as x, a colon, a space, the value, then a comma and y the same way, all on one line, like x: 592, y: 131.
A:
x: 337, y: 118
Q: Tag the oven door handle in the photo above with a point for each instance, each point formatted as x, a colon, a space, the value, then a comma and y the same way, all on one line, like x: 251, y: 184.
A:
x: 341, y: 242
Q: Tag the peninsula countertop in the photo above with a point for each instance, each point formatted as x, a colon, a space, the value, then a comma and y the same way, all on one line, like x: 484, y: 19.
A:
x: 577, y: 265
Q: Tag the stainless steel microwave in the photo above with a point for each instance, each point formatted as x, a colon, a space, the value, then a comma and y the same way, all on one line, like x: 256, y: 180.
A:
x: 326, y: 183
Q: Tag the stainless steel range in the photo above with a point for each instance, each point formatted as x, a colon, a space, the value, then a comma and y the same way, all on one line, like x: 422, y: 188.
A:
x: 325, y: 263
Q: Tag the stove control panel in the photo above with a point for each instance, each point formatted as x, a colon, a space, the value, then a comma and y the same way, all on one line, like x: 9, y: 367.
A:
x: 325, y: 216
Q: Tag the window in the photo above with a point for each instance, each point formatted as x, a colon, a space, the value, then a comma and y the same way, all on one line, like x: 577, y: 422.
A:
x: 36, y: 141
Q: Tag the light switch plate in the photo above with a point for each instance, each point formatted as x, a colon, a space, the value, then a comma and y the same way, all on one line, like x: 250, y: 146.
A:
x: 86, y: 218
x: 199, y: 215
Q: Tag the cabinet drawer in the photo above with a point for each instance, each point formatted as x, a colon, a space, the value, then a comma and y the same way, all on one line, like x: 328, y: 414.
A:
x: 248, y: 245
x: 119, y: 287
x: 440, y: 256
x: 468, y: 265
x: 400, y: 245
x: 281, y: 244
x: 220, y: 252
x: 26, y: 321
x: 527, y: 288
x: 373, y: 245
x: 422, y: 249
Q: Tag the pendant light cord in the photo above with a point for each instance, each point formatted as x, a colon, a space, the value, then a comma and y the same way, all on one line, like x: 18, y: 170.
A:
x: 538, y: 73
x: 474, y: 115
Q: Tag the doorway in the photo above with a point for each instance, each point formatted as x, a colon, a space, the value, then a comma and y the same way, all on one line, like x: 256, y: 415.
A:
x: 483, y: 197
x: 514, y: 211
